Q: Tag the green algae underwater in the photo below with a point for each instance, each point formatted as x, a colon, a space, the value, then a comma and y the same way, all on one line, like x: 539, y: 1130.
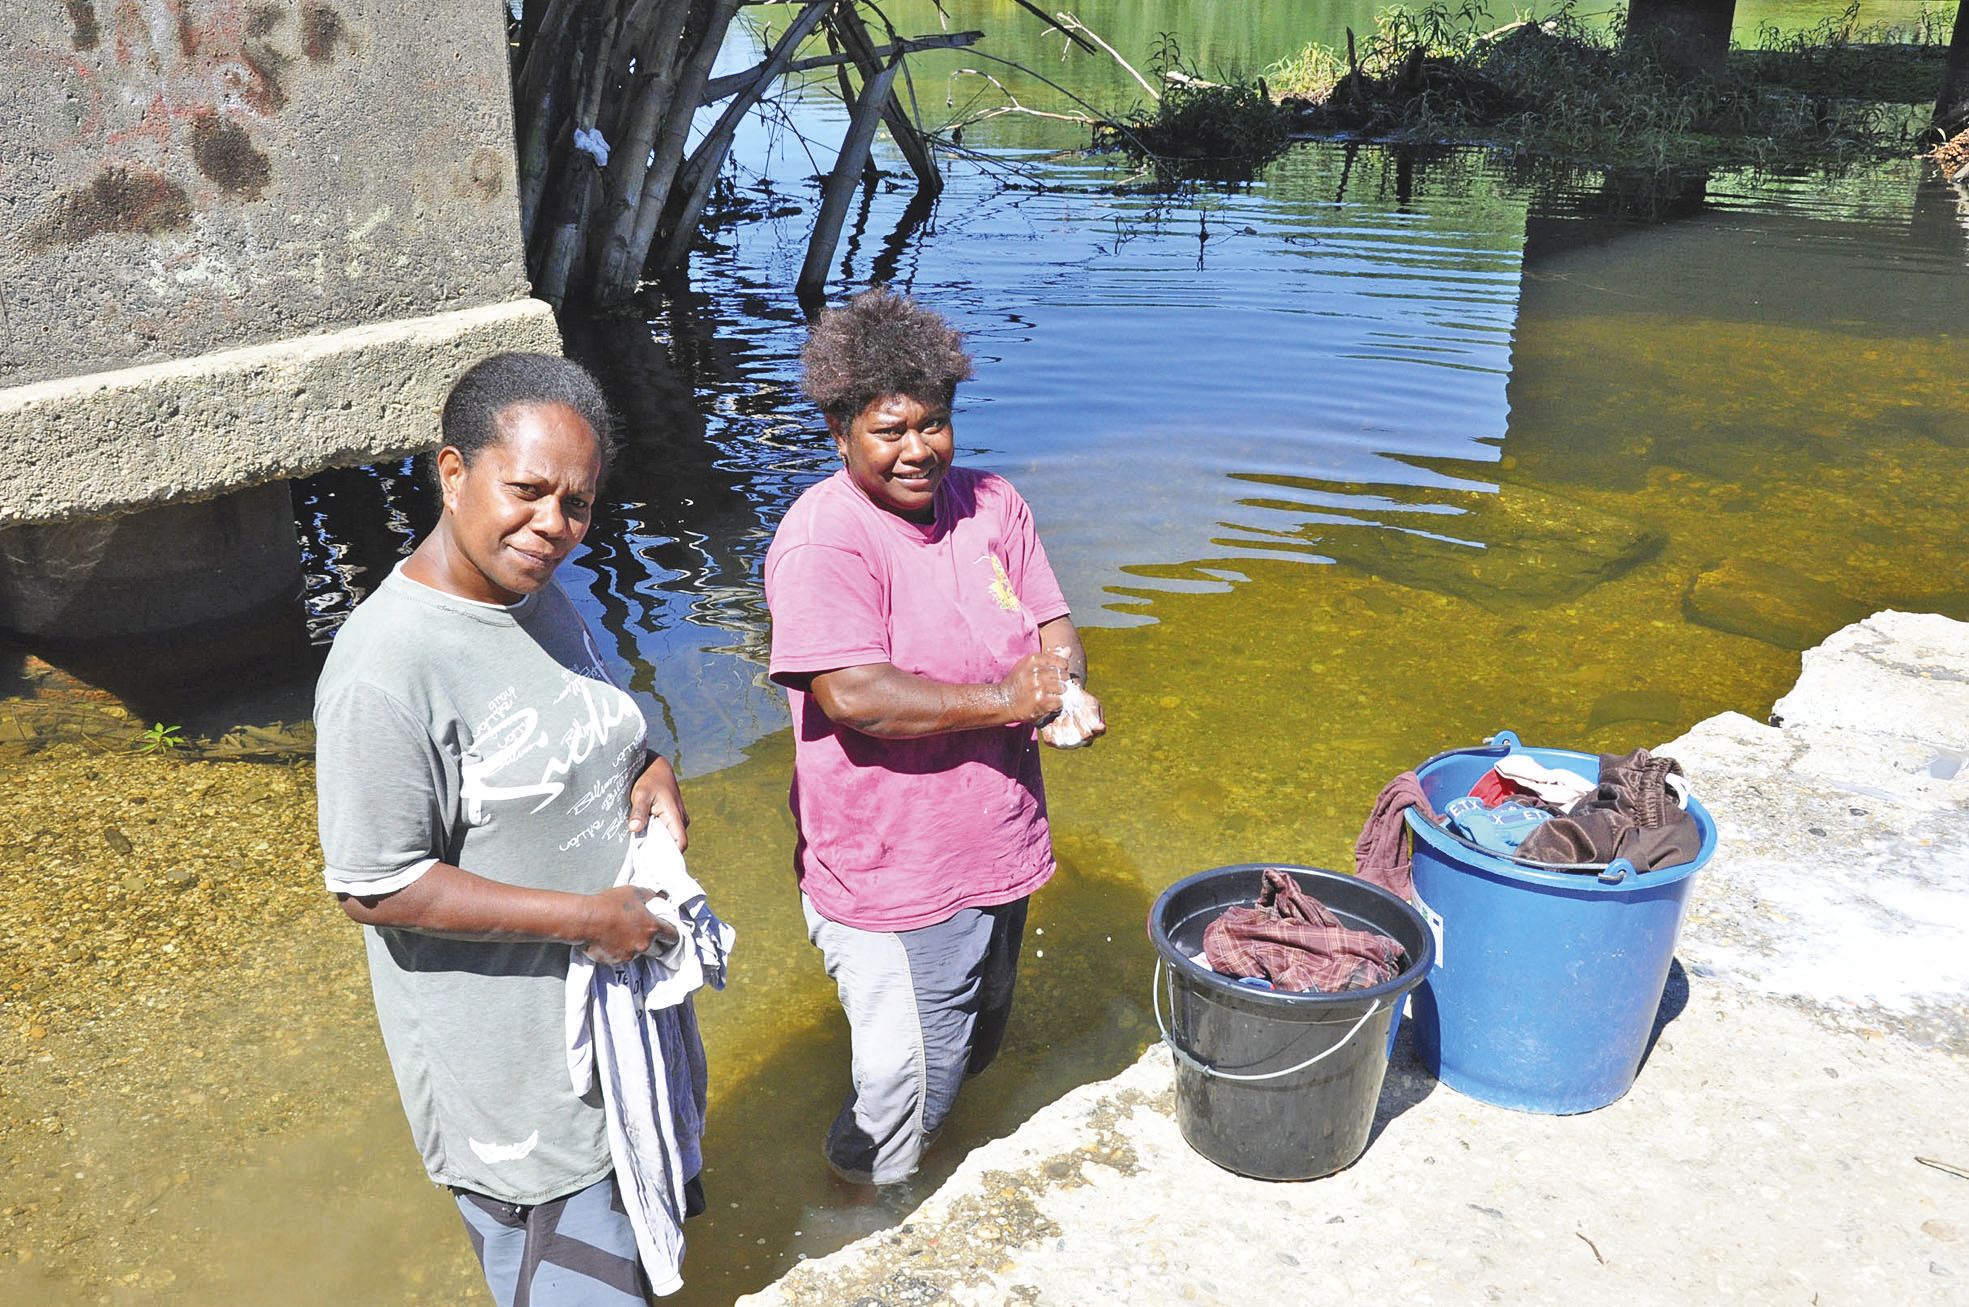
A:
x: 1689, y: 490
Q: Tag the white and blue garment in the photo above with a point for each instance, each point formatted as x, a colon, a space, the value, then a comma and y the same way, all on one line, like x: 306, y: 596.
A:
x: 632, y: 1026
x: 1501, y: 829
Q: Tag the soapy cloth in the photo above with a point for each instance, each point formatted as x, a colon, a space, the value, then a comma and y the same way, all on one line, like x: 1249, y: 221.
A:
x: 1074, y: 727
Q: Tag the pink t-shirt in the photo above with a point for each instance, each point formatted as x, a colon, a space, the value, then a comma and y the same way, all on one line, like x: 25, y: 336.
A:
x: 897, y: 834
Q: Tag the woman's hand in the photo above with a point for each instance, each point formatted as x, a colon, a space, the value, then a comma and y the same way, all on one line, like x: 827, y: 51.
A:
x: 1032, y: 688
x: 620, y: 927
x: 1092, y: 724
x: 656, y: 793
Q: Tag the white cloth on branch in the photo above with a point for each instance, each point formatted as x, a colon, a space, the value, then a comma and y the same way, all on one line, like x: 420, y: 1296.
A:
x: 589, y: 141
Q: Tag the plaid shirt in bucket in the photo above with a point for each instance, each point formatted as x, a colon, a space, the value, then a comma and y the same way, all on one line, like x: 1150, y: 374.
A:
x: 1293, y: 940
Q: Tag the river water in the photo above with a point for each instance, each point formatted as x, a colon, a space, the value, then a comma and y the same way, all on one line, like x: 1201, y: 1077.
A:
x: 1375, y: 456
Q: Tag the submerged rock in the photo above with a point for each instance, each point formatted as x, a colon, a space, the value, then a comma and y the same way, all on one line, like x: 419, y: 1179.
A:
x: 1517, y: 548
x: 1769, y: 602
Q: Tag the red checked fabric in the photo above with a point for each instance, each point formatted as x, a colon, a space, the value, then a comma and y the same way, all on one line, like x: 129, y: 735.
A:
x: 1293, y: 940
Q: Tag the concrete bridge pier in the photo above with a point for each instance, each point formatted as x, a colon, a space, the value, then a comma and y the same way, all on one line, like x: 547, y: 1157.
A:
x: 245, y: 240
x: 157, y: 571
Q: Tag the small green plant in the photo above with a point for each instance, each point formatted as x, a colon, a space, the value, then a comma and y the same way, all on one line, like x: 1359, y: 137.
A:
x: 1203, y: 129
x: 161, y: 738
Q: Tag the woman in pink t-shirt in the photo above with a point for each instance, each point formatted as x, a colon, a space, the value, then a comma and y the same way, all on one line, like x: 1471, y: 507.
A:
x: 921, y: 638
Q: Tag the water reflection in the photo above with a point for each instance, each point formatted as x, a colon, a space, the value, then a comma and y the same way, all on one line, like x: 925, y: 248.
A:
x: 1374, y: 457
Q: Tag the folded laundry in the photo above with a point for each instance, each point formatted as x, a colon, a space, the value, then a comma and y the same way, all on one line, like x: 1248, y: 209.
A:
x: 1502, y: 829
x: 1293, y: 940
x: 1553, y: 785
x: 1630, y: 814
x: 1493, y: 789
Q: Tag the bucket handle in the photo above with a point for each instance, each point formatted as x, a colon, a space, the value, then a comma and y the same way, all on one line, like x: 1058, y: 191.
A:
x: 1183, y: 1055
x: 1616, y: 871
x: 1500, y: 743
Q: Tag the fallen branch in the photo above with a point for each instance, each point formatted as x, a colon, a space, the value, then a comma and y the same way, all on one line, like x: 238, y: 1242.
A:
x: 719, y: 87
x: 840, y: 186
x: 1071, y: 24
x: 902, y: 128
x: 1100, y: 119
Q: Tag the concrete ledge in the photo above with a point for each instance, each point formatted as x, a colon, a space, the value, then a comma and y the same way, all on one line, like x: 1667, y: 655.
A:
x: 112, y: 442
x: 1812, y: 1053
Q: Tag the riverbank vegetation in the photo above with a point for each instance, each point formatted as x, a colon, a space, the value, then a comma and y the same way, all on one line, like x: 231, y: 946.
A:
x: 1571, y: 90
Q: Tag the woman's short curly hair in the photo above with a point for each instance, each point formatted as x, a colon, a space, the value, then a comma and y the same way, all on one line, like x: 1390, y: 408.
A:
x: 881, y: 343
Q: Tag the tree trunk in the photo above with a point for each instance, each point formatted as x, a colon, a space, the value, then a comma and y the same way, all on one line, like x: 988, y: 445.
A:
x: 628, y: 240
x: 655, y: 85
x: 866, y: 116
x: 1693, y: 36
x: 902, y: 128
x: 1952, y: 106
x: 711, y: 152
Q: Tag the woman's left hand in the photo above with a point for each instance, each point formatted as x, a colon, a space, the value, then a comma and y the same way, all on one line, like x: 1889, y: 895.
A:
x: 656, y: 794
x: 1091, y: 721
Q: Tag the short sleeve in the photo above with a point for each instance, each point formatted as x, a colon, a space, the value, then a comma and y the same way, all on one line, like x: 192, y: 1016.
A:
x: 1032, y: 575
x: 829, y: 610
x: 380, y: 784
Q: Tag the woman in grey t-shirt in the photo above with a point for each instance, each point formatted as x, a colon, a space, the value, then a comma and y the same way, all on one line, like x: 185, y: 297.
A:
x: 479, y: 776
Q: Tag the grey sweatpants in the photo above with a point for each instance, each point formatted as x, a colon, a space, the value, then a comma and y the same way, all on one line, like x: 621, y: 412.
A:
x: 926, y: 1008
x: 576, y: 1251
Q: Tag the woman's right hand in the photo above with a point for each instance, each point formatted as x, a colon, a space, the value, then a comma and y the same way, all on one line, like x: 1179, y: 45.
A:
x: 621, y: 928
x: 1032, y: 688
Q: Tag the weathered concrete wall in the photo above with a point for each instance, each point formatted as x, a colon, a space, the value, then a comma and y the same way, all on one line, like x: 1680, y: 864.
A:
x: 194, y: 428
x: 191, y: 175
x: 203, y: 199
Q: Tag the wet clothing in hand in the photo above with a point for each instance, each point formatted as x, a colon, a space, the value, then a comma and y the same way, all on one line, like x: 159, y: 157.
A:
x: 1293, y: 940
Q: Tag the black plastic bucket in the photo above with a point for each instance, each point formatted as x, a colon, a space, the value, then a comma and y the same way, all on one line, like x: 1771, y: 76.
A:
x: 1269, y: 1084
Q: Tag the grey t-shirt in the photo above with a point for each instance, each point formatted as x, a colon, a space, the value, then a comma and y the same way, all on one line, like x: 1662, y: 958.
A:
x: 490, y: 738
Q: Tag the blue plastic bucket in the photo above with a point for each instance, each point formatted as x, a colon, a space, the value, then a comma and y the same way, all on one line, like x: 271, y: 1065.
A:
x: 1545, y: 984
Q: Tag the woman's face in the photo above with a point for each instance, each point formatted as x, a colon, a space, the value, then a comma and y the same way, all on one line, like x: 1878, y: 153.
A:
x: 897, y: 449
x: 523, y: 504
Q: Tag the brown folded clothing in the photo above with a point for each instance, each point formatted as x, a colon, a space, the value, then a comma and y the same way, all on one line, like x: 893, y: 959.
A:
x: 1293, y: 940
x: 1631, y: 815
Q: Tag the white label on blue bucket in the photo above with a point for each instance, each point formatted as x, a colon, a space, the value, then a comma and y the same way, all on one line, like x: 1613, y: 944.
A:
x: 1435, y: 921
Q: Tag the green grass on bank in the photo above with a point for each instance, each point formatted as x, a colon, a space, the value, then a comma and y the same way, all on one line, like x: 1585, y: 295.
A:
x: 1570, y: 90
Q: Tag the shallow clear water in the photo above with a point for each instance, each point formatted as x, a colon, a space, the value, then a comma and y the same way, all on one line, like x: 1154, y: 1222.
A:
x: 1371, y: 458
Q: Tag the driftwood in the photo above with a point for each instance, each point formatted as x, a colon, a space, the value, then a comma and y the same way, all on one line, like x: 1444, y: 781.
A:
x: 604, y: 95
x: 709, y: 159
x: 840, y: 186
